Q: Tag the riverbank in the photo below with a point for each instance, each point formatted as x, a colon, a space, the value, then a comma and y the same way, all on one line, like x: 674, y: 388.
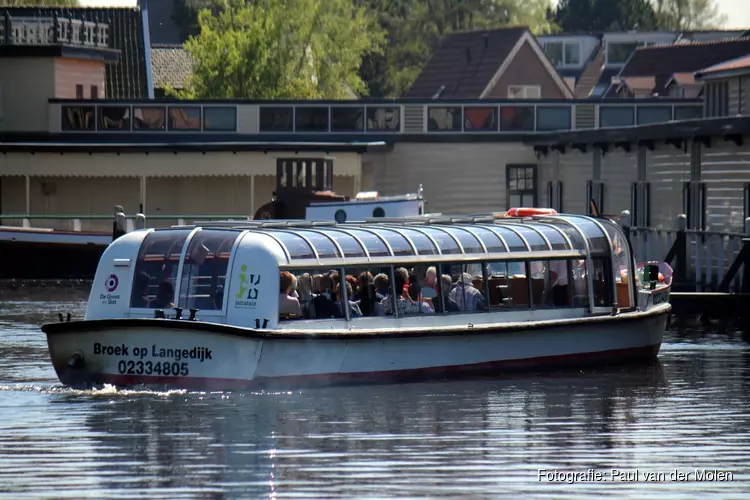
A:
x: 71, y: 289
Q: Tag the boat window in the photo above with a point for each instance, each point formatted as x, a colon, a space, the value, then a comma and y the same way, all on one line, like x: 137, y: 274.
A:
x: 515, y: 243
x: 368, y: 291
x: 556, y: 239
x: 470, y: 242
x: 580, y: 283
x: 348, y: 244
x: 204, y: 270
x: 536, y: 242
x: 602, y: 276
x: 424, y: 244
x: 396, y: 240
x: 444, y: 240
x: 490, y: 239
x: 468, y: 288
x: 549, y: 283
x: 597, y: 239
x: 156, y: 269
x: 297, y: 247
x: 375, y: 246
x: 507, y: 284
x: 322, y: 243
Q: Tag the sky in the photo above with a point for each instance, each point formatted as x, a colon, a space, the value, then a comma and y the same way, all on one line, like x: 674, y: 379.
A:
x: 737, y: 11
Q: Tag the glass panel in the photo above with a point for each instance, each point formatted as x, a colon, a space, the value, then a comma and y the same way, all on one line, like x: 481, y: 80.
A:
x: 446, y: 243
x: 276, y: 119
x: 347, y: 119
x: 375, y: 245
x: 517, y: 118
x: 311, y: 119
x: 553, y: 118
x: 324, y: 246
x: 555, y: 238
x: 616, y: 116
x: 383, y: 119
x: 597, y: 239
x: 490, y: 239
x: 424, y: 245
x: 515, y: 243
x: 204, y: 271
x: 688, y: 112
x: 149, y: 118
x: 602, y: 277
x: 467, y: 286
x: 580, y: 284
x: 114, y: 118
x: 348, y: 244
x: 439, y: 118
x: 536, y: 242
x: 654, y: 114
x: 554, y: 52
x: 398, y: 243
x: 297, y: 247
x: 468, y: 241
x: 156, y: 269
x: 572, y: 53
x: 220, y: 118
x: 78, y: 117
x: 620, y: 52
x: 480, y: 118
x: 185, y: 118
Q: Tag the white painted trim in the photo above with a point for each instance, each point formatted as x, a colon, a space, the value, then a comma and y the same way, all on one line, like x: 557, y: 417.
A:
x: 528, y: 38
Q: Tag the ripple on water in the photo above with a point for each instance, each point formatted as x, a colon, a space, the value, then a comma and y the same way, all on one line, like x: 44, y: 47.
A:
x: 484, y: 438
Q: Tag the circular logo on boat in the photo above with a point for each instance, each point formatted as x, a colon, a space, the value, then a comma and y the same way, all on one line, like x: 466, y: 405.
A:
x: 112, y: 283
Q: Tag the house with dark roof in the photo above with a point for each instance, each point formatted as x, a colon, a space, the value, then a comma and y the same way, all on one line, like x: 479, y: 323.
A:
x: 684, y: 86
x: 662, y: 62
x: 170, y: 65
x: 727, y: 87
x: 504, y: 63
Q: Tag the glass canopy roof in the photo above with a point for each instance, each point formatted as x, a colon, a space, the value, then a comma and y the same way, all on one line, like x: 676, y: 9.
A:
x: 307, y: 241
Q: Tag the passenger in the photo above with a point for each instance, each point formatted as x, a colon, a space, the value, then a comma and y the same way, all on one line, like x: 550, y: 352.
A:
x: 164, y: 296
x: 414, y: 293
x: 287, y: 303
x: 140, y: 298
x: 219, y: 297
x: 354, y: 310
x: 325, y: 306
x: 444, y: 290
x: 467, y: 296
x: 406, y: 306
x: 404, y: 279
x: 381, y: 282
x: 304, y: 289
x: 430, y: 283
x: 558, y: 275
x: 316, y: 284
x: 369, y: 299
x: 355, y: 286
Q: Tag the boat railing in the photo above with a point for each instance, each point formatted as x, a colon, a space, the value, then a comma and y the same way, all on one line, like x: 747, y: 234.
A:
x: 708, y: 254
x: 101, y: 223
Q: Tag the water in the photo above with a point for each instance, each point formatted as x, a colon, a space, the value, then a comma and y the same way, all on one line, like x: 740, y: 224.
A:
x: 471, y: 438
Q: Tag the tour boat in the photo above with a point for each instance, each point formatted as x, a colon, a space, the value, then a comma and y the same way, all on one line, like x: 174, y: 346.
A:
x: 243, y: 304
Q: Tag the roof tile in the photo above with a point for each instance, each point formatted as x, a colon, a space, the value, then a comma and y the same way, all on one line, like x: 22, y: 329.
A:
x: 170, y: 64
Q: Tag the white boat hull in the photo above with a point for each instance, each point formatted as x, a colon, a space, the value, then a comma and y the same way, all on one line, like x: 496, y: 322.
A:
x: 188, y: 354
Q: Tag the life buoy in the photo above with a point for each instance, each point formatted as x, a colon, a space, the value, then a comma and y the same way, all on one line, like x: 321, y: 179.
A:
x: 529, y: 212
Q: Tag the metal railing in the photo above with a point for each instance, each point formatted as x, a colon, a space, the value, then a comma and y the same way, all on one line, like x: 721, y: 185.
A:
x: 99, y: 223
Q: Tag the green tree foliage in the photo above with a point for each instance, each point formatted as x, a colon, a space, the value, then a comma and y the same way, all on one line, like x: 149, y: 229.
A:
x: 415, y: 27
x: 276, y: 49
x: 681, y: 15
x: 38, y: 3
x: 605, y: 15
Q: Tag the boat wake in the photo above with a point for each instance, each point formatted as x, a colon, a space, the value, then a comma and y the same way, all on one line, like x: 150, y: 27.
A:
x: 109, y: 390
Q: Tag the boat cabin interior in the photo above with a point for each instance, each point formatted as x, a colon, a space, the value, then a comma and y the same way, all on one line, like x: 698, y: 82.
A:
x: 288, y: 274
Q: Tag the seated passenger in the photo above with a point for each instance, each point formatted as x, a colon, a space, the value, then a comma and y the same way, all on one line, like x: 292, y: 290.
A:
x: 406, y: 306
x: 354, y: 311
x: 164, y: 296
x: 369, y: 299
x: 304, y: 289
x: 444, y: 290
x: 414, y: 293
x: 430, y: 283
x: 325, y: 306
x: 467, y: 296
x: 287, y: 303
x: 381, y: 282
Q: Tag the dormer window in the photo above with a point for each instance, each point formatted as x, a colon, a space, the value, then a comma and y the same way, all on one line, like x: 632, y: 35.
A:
x: 563, y: 53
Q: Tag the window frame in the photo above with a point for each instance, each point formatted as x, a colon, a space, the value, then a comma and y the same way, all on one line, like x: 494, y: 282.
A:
x: 535, y: 181
x: 525, y: 89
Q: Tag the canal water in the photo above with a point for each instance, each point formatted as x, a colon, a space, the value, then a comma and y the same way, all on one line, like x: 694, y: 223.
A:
x: 603, y: 431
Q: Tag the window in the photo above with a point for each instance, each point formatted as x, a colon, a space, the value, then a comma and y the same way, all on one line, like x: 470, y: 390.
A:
x: 439, y: 118
x: 616, y: 116
x: 276, y: 119
x: 347, y: 119
x: 524, y: 92
x: 572, y: 54
x: 563, y: 53
x: 599, y: 89
x: 517, y: 118
x: 480, y: 118
x: 383, y: 119
x: 688, y: 112
x: 640, y: 204
x: 184, y: 118
x: 220, y: 118
x: 602, y: 277
x: 654, y: 114
x: 94, y: 92
x: 521, y: 185
x: 311, y: 119
x: 554, y: 52
x: 553, y: 118
x: 79, y: 91
x: 156, y: 269
x: 149, y: 118
x: 618, y: 53
x: 78, y: 117
x: 113, y: 118
x: 204, y: 271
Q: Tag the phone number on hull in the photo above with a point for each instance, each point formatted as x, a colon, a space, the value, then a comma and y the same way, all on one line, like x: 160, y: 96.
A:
x: 164, y: 368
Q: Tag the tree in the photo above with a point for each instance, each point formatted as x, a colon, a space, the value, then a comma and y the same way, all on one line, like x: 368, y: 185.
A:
x: 276, y: 49
x: 38, y: 3
x: 684, y: 15
x: 605, y: 15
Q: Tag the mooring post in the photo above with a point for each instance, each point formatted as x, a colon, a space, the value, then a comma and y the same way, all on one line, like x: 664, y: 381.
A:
x: 119, y: 224
x: 140, y: 221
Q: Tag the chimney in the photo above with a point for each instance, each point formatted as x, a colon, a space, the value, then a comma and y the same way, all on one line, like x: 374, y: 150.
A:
x: 468, y: 55
x: 486, y: 37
